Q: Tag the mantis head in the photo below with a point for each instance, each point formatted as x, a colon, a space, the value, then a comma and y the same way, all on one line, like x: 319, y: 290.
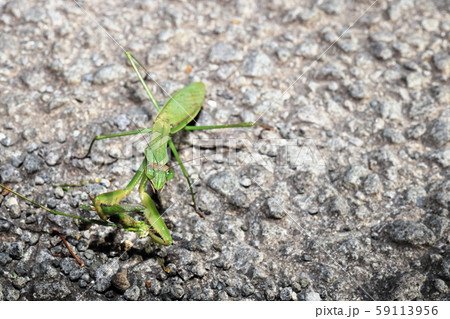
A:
x: 159, y: 175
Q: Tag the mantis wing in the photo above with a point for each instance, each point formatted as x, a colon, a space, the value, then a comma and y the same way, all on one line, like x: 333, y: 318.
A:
x: 183, y: 106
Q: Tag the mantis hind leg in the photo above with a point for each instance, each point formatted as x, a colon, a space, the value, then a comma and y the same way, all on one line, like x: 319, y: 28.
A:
x: 88, y: 220
x: 186, y: 175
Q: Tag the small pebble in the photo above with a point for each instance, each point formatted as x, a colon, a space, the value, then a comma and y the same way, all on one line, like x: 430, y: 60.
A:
x: 61, y: 137
x: 224, y: 53
x: 333, y: 86
x: 166, y: 35
x: 357, y: 91
x: 57, y: 102
x: 393, y: 136
x: 4, y: 225
x: 122, y: 121
x: 283, y: 54
x: 348, y: 46
x: 15, y: 250
x: 256, y: 64
x: 59, y: 192
x: 29, y: 134
x: 246, y: 182
x: 82, y: 283
x: 440, y: 286
x: 414, y: 80
x: 308, y: 49
x: 225, y: 71
x: 120, y: 281
x: 132, y: 293
x: 75, y: 274
x: 333, y: 7
x: 355, y: 174
x: 32, y: 163
x: 109, y: 73
x: 52, y: 158
x: 286, y: 294
x: 105, y: 182
x: 438, y: 132
x: 430, y: 25
x: 12, y: 204
x: 251, y: 97
x: 177, y: 291
x: 381, y: 51
x: 39, y: 180
x: 276, y: 207
x: 312, y: 296
x: 32, y: 147
x: 402, y: 48
x: 12, y: 294
x: 339, y: 206
x: 4, y: 259
x: 17, y: 161
x: 9, y: 141
x: 441, y: 61
x: 414, y: 233
x: 372, y: 184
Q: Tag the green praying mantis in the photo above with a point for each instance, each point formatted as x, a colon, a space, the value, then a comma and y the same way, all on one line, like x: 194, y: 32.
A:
x: 180, y: 109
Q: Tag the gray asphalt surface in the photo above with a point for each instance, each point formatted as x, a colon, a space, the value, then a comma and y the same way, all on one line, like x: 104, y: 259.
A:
x: 347, y: 198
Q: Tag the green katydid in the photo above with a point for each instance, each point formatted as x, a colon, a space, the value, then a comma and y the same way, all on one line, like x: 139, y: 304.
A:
x: 180, y: 109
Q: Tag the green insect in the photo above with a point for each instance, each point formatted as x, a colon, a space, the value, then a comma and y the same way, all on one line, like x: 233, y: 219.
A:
x: 181, y: 108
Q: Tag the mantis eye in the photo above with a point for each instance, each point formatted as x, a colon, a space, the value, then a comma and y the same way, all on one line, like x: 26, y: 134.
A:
x: 169, y: 174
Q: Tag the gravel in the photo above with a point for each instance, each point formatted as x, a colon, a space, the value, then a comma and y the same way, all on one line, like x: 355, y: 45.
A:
x: 438, y: 132
x: 342, y: 193
x: 406, y: 231
x: 256, y: 64
x: 50, y: 291
x: 32, y: 163
x: 109, y: 73
x: 357, y: 91
x: 381, y: 51
x: 308, y: 49
x: 224, y: 53
x: 132, y: 293
x: 441, y: 61
x: 276, y: 207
